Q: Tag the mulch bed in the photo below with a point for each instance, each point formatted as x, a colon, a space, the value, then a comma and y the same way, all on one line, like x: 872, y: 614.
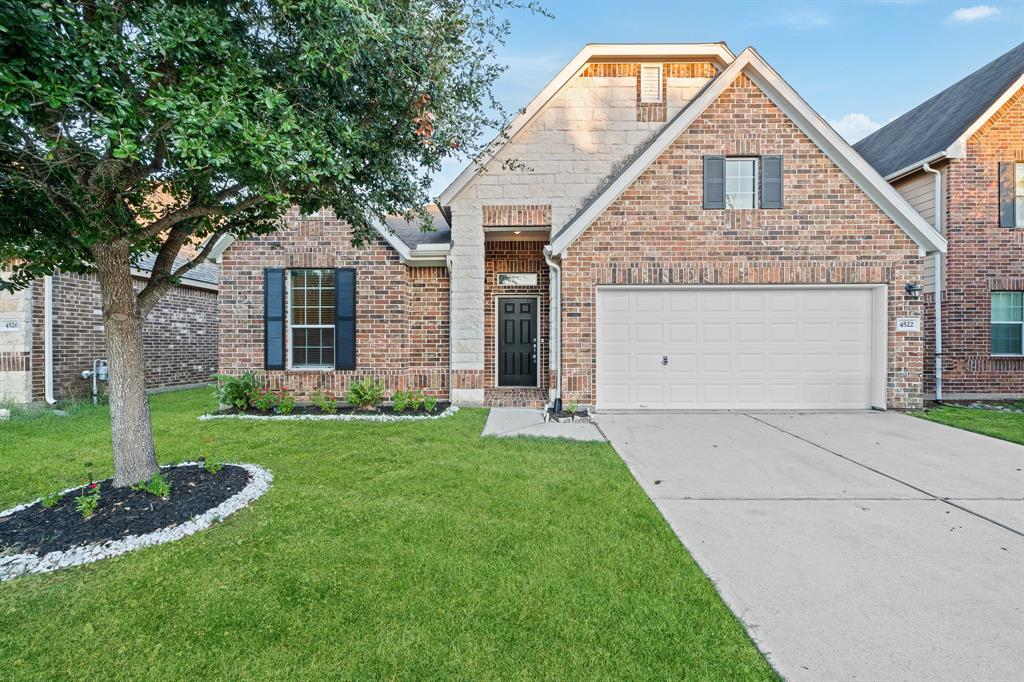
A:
x: 122, y: 511
x: 345, y: 409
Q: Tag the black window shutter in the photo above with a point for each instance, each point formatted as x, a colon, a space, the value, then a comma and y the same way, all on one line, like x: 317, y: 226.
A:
x: 1006, y: 194
x: 714, y: 182
x: 344, y: 318
x: 771, y: 181
x: 273, y: 318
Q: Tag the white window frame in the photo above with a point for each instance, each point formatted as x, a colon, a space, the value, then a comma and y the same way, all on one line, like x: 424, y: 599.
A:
x: 757, y: 183
x: 993, y: 323
x: 1018, y: 194
x: 290, y: 326
x: 647, y: 100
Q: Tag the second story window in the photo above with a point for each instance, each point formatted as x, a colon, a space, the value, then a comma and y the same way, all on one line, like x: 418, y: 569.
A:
x: 1018, y: 195
x: 741, y: 183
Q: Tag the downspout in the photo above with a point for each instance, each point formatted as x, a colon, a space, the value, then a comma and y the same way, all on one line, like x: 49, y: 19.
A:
x: 48, y: 340
x: 556, y: 325
x: 938, y: 282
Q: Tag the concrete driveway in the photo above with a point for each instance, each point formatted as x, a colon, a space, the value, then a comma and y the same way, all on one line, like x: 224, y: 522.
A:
x: 853, y: 545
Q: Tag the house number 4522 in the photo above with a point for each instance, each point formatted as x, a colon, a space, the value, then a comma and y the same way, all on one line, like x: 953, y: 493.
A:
x: 908, y: 324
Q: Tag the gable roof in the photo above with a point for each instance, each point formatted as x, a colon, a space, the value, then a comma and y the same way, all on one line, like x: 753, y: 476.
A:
x: 718, y: 52
x: 203, y: 274
x: 941, y: 125
x: 413, y: 245
x: 812, y: 125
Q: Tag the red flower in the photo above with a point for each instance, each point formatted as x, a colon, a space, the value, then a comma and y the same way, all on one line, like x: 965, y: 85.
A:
x: 93, y: 485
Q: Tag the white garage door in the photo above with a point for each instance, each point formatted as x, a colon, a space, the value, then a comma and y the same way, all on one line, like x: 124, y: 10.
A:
x: 744, y: 348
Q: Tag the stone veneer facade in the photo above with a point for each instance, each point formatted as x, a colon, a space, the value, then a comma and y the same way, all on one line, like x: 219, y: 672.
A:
x: 401, y: 313
x: 657, y: 232
x: 587, y: 133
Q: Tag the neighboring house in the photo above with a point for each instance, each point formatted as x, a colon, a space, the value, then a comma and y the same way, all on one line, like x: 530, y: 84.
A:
x: 179, y: 336
x: 665, y: 226
x: 958, y: 158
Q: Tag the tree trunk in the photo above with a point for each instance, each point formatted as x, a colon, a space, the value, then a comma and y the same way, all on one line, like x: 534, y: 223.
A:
x: 134, y: 452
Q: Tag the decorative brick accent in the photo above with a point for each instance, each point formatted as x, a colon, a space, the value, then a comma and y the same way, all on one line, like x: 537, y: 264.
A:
x: 524, y: 215
x: 656, y: 232
x: 402, y: 322
x: 179, y: 336
x: 982, y: 257
x: 14, y: 361
x: 515, y: 256
x: 515, y: 397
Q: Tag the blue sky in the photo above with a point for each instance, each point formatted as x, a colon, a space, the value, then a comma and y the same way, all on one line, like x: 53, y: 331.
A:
x: 860, y: 64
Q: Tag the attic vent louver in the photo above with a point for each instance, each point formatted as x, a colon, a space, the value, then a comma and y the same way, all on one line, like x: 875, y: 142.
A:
x: 650, y: 84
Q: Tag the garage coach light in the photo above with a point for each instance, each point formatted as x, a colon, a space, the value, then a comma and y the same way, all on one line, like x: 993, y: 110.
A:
x: 913, y: 290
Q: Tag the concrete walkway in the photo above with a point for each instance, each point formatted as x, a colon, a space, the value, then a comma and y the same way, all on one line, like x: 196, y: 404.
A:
x: 853, y: 546
x: 507, y: 422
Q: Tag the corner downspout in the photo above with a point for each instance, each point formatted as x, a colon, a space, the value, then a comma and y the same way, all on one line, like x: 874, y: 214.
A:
x: 938, y: 283
x: 556, y: 326
x: 48, y: 340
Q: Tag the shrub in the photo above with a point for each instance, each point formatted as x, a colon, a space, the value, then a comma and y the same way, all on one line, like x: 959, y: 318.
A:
x: 365, y: 394
x: 325, y: 401
x: 429, y: 403
x: 237, y: 391
x: 264, y: 400
x: 401, y: 400
x: 285, y: 402
x: 50, y: 500
x: 211, y: 466
x: 157, y: 485
x: 87, y: 502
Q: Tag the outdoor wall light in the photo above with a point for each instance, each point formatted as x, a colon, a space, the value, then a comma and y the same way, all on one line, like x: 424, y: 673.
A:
x: 913, y: 290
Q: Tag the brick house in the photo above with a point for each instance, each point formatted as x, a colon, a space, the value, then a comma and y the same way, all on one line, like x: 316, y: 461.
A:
x: 958, y: 158
x: 179, y: 336
x: 664, y: 226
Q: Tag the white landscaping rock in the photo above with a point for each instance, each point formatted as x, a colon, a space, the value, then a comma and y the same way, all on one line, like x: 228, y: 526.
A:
x: 19, y: 564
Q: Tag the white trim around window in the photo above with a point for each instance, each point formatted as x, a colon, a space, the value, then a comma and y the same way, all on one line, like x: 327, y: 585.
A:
x: 317, y: 311
x: 742, y: 182
x: 1007, y: 327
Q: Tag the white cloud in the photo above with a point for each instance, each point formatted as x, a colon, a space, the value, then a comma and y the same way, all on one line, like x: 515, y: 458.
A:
x: 855, y: 126
x: 965, y: 15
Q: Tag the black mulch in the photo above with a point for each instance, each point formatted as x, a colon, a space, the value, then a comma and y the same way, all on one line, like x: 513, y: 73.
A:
x: 121, y: 512
x: 346, y: 409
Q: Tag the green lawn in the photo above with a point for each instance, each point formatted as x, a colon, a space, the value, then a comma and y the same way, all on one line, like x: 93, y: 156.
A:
x: 396, y: 551
x: 1005, y: 425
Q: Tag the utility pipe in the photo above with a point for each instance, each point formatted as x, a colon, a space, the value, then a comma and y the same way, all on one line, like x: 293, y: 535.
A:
x: 938, y: 282
x: 48, y: 340
x: 556, y: 325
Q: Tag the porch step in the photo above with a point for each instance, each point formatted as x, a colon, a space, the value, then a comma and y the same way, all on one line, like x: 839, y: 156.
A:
x: 515, y: 397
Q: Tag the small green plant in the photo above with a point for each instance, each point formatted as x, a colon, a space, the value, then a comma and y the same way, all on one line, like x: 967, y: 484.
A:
x: 50, y: 500
x: 325, y: 401
x: 87, y: 502
x: 572, y: 407
x: 264, y: 400
x: 365, y: 394
x: 429, y: 403
x: 211, y: 466
x: 237, y: 391
x: 402, y: 400
x: 285, y: 402
x: 157, y: 485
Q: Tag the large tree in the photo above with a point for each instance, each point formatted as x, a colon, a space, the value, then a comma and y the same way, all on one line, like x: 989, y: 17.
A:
x: 158, y: 127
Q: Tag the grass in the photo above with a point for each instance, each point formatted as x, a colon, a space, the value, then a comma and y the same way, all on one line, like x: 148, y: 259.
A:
x: 396, y: 551
x: 1006, y: 425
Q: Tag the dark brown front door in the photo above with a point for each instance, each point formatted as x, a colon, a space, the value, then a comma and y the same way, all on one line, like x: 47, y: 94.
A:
x: 517, y: 342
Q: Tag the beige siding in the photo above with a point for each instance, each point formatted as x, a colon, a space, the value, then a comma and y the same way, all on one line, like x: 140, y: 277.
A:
x: 919, y: 191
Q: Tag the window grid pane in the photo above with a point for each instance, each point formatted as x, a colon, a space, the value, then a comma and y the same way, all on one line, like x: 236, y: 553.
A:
x: 312, y: 304
x: 741, y: 183
x: 1008, y: 322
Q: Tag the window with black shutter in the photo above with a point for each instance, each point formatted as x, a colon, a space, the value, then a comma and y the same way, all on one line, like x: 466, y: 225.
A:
x: 273, y: 318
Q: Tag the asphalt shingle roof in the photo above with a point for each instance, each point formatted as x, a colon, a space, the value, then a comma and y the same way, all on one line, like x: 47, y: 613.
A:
x: 413, y: 236
x: 935, y: 124
x: 206, y: 272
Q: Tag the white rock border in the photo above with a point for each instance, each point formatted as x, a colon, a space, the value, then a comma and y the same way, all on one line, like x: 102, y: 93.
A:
x: 14, y: 565
x: 449, y: 411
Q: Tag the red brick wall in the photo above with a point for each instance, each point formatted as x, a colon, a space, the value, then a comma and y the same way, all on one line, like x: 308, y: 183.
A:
x: 515, y: 256
x: 656, y: 232
x: 401, y: 313
x: 179, y: 337
x: 982, y: 258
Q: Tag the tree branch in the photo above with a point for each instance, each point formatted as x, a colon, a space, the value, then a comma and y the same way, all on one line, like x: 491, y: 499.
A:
x: 150, y: 295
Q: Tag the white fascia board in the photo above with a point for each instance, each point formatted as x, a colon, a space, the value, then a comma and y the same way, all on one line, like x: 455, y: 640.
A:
x: 815, y: 127
x: 716, y: 51
x: 220, y: 247
x: 914, y: 167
